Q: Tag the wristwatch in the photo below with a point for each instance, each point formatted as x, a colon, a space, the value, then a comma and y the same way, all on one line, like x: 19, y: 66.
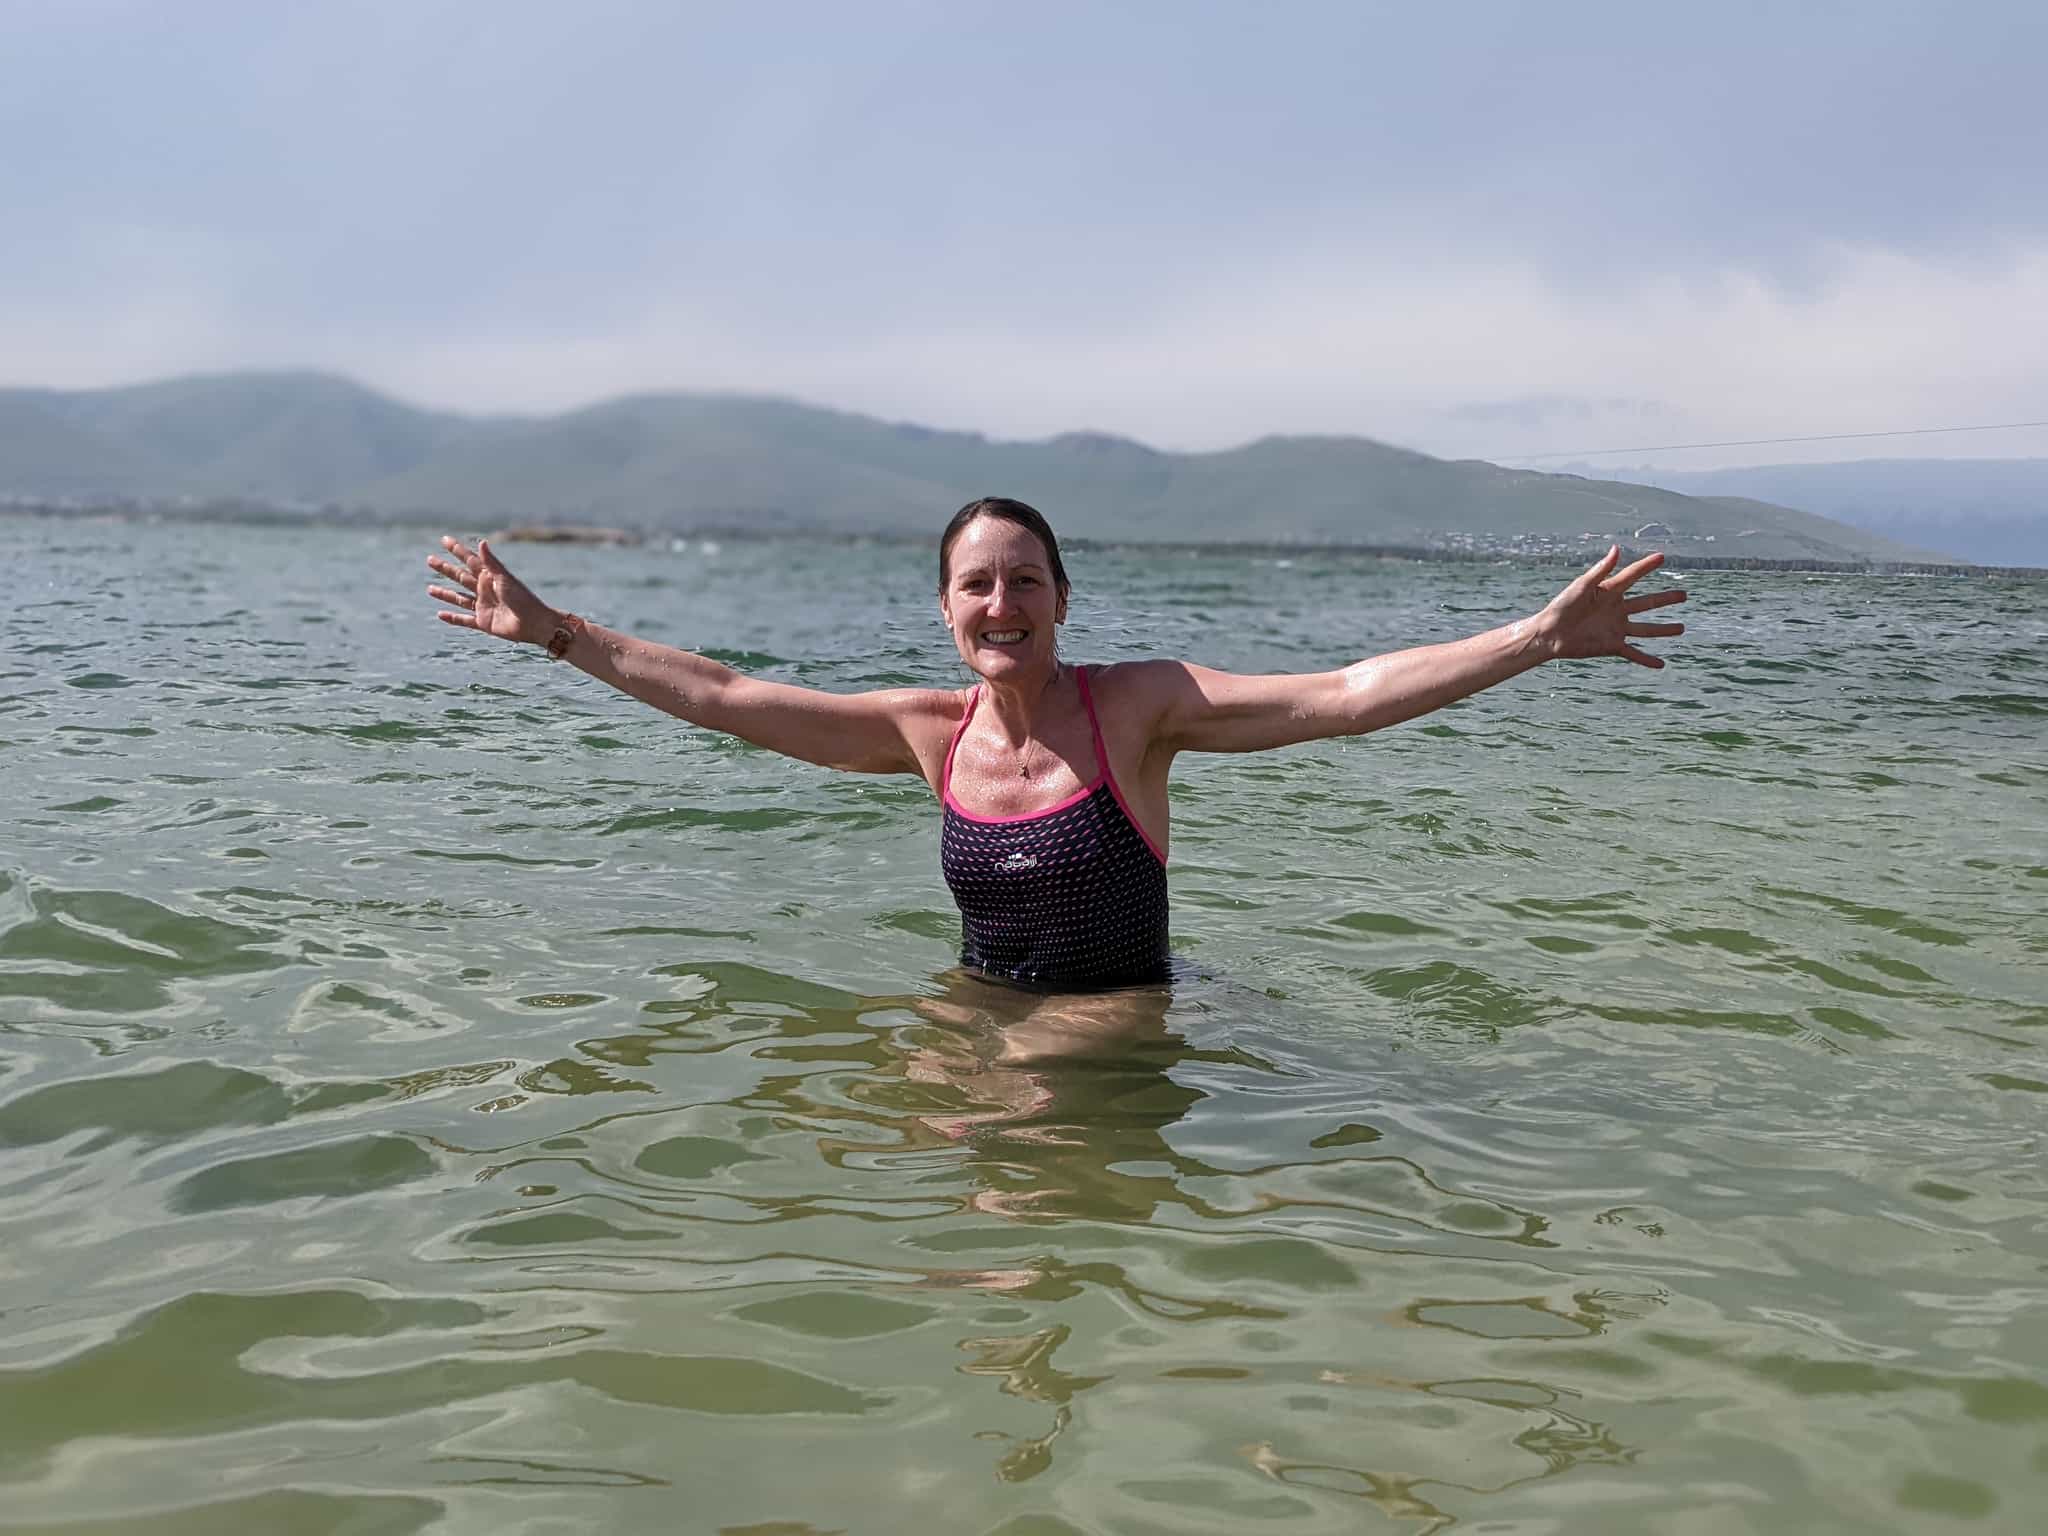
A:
x: 566, y: 631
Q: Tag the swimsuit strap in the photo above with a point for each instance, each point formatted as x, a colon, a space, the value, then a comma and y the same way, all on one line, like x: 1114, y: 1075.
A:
x: 946, y: 773
x: 1095, y: 732
x: 1102, y: 762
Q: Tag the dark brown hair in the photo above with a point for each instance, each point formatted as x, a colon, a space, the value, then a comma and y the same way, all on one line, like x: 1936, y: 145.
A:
x: 1010, y: 512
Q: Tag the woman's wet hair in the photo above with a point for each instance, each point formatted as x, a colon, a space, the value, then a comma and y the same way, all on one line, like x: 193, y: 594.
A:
x: 1010, y: 512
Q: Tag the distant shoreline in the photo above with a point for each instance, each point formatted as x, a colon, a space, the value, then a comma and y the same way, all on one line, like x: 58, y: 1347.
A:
x: 259, y: 515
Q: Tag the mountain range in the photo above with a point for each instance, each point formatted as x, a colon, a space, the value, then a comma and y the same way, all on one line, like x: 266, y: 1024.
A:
x: 324, y: 445
x: 1989, y: 511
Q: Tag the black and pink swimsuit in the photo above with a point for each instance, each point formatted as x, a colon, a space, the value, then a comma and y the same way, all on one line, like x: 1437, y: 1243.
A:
x: 1071, y: 897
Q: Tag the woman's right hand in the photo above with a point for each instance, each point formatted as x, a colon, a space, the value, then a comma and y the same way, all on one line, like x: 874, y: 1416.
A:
x: 488, y: 597
x: 894, y: 730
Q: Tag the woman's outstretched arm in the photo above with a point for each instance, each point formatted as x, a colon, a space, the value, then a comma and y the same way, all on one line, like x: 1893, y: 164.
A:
x: 892, y: 731
x: 1201, y: 710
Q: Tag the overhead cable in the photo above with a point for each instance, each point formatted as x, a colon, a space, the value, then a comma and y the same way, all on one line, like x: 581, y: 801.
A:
x: 1758, y: 442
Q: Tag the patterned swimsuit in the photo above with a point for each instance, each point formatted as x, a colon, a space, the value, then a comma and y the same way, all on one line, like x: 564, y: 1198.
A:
x: 1069, y: 898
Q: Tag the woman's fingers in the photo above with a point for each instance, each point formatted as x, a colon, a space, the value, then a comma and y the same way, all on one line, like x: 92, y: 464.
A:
x: 1602, y: 566
x: 1653, y: 631
x: 1629, y: 575
x: 1654, y: 600
x: 1640, y: 658
x: 451, y: 570
x: 480, y: 578
x: 461, y: 551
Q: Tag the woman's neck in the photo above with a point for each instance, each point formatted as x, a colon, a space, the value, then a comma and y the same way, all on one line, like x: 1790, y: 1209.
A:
x: 1019, y: 706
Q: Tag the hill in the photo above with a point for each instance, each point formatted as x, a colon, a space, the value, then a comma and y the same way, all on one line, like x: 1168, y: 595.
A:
x: 692, y: 461
x: 1992, y: 511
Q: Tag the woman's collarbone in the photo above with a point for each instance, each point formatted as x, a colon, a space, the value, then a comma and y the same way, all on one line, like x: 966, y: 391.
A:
x: 1005, y: 782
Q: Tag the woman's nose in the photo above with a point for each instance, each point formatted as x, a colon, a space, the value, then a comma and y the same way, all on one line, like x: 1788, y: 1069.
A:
x: 998, y: 600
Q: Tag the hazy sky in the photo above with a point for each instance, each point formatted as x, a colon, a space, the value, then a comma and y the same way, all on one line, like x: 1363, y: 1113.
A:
x: 1474, y: 228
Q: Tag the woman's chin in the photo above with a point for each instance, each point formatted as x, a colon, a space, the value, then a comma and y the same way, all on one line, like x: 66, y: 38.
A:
x: 997, y: 663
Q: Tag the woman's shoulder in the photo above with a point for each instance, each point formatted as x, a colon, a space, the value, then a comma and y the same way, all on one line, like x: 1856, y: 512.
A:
x: 945, y: 707
x: 1134, y: 680
x: 921, y: 714
x: 935, y: 703
x: 1138, y: 691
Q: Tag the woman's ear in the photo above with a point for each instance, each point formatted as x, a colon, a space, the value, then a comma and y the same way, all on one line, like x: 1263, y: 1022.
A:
x: 1059, y: 614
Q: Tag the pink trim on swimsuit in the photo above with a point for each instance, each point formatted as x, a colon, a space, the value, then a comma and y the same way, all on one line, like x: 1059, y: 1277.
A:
x: 1102, y: 774
x: 1102, y: 758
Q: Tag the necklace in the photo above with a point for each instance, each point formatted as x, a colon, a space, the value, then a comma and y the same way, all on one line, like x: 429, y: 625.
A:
x: 1024, y: 756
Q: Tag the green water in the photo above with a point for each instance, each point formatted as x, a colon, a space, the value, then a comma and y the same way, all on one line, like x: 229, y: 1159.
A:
x: 436, y: 1094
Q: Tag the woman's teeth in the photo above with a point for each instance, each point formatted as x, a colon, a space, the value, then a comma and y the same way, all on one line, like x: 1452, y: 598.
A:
x: 1002, y: 636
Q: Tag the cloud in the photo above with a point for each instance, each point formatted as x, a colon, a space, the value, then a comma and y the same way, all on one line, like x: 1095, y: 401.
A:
x: 1888, y: 341
x: 1467, y: 229
x: 1555, y: 411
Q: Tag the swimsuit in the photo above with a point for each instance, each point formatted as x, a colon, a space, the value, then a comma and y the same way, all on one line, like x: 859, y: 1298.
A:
x: 1070, y: 897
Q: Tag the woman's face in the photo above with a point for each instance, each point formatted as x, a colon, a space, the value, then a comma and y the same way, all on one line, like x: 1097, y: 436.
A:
x: 1000, y: 601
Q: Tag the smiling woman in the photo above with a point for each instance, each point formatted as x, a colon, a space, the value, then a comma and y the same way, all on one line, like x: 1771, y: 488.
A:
x: 1052, y: 776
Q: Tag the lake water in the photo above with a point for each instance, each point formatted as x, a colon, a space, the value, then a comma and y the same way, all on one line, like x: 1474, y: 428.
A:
x: 438, y: 1094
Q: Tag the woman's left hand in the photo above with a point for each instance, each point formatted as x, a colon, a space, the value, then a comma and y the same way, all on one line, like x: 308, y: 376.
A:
x: 1595, y: 616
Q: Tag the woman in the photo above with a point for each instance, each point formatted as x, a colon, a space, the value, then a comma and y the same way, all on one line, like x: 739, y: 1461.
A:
x: 1052, y: 777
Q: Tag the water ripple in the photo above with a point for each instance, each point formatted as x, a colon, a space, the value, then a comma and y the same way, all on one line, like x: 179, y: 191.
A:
x: 435, y: 1093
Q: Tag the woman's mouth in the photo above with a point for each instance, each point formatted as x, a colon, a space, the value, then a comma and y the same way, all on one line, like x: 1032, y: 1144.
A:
x: 1001, y: 636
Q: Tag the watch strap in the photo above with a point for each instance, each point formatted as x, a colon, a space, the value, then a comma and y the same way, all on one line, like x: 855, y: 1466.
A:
x: 566, y: 631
